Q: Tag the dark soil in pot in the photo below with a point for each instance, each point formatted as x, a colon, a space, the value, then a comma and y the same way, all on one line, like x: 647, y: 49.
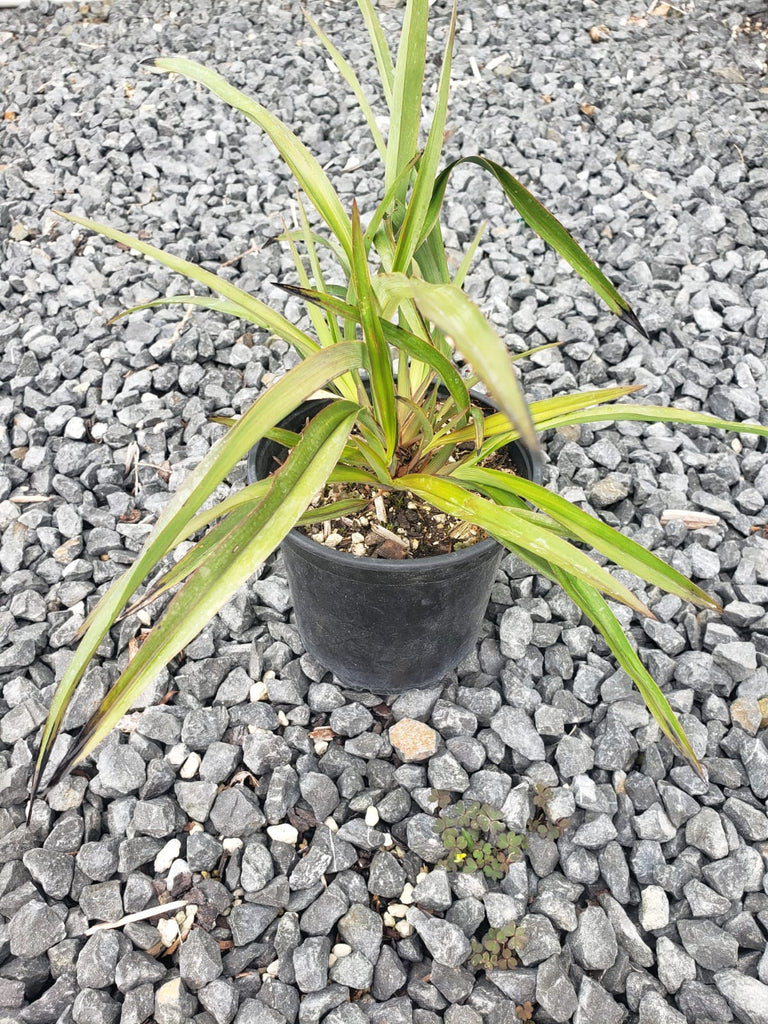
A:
x: 380, y: 625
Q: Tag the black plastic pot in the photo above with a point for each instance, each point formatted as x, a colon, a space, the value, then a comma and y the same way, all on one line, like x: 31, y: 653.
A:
x: 382, y: 625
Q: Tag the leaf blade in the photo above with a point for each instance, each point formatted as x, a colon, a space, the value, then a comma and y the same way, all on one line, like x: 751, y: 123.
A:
x: 379, y: 361
x: 600, y: 614
x: 303, y: 165
x: 418, y: 205
x: 451, y: 497
x: 620, y: 549
x: 262, y: 314
x: 546, y: 226
x: 269, y: 410
x: 455, y: 314
x: 405, y: 109
x: 230, y: 564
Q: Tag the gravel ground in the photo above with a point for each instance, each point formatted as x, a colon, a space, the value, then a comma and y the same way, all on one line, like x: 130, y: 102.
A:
x: 653, y: 904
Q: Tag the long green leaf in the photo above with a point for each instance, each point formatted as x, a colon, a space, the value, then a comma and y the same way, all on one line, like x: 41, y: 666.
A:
x: 452, y: 497
x: 229, y: 565
x: 651, y: 414
x: 349, y: 76
x: 418, y: 205
x: 198, y: 554
x: 380, y: 49
x: 547, y: 226
x: 598, y: 611
x: 288, y: 392
x: 379, y: 360
x: 405, y: 110
x: 455, y: 314
x: 543, y: 413
x: 304, y: 167
x: 469, y: 255
x: 384, y: 209
x: 412, y: 345
x: 621, y: 550
x: 205, y: 301
x: 259, y: 312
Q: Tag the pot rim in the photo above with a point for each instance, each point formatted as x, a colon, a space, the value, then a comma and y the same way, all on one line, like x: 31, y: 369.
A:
x: 396, y: 567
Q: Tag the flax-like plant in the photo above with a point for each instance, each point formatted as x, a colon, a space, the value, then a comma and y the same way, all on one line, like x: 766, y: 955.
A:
x: 386, y: 324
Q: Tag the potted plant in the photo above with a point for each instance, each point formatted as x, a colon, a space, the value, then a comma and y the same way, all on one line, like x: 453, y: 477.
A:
x: 395, y: 417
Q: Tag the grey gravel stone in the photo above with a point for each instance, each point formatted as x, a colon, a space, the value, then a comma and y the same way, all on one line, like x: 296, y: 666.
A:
x: 220, y: 999
x: 445, y: 772
x: 675, y: 966
x: 362, y: 929
x: 746, y: 996
x: 354, y: 970
x: 654, y: 908
x: 95, y: 1007
x: 121, y: 769
x: 196, y: 798
x: 263, y: 751
x: 51, y: 870
x: 554, y: 991
x: 515, y: 632
x: 256, y: 868
x: 199, y: 959
x: 386, y: 876
x: 654, y: 1009
x: 173, y: 1003
x: 703, y: 1002
x: 310, y: 963
x: 710, y: 946
x: 517, y: 730
x: 738, y: 658
x: 248, y: 920
x: 625, y: 931
x: 574, y: 756
x: 351, y: 719
x: 594, y: 942
x: 703, y: 901
x: 422, y: 838
x: 236, y: 813
x: 156, y: 818
x: 654, y: 824
x: 102, y: 901
x: 433, y: 891
x: 389, y: 975
x: 541, y: 941
x: 705, y: 831
x: 34, y: 928
x: 596, y: 1006
x: 322, y: 914
x: 447, y: 944
x: 136, y: 969
x: 97, y: 962
x: 320, y: 792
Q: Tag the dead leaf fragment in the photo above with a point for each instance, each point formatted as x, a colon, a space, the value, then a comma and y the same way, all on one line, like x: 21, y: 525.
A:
x: 599, y: 33
x: 691, y: 519
x: 660, y: 10
x: 588, y: 109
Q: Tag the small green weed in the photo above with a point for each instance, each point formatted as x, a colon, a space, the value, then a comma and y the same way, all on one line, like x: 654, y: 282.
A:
x: 498, y: 949
x: 475, y: 838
